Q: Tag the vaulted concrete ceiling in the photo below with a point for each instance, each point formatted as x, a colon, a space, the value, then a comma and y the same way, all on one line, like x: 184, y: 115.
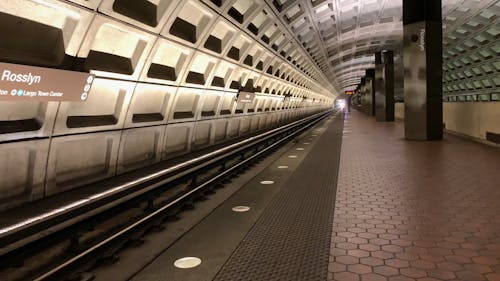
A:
x: 342, y: 35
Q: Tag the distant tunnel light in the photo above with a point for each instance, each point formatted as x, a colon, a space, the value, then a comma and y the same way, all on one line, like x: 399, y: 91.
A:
x: 340, y: 104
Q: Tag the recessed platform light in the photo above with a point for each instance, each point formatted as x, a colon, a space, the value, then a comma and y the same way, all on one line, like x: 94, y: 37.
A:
x: 241, y: 209
x: 300, y: 148
x: 282, y: 167
x: 292, y: 156
x: 266, y: 182
x: 187, y: 262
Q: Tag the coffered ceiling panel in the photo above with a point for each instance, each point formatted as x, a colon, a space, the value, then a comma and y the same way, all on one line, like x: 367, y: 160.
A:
x: 341, y: 37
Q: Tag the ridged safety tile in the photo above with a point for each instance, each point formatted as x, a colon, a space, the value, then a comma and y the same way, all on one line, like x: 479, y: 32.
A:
x: 291, y: 240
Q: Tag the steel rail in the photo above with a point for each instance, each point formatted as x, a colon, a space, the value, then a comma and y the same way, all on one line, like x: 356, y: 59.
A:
x: 62, y: 269
x: 33, y: 221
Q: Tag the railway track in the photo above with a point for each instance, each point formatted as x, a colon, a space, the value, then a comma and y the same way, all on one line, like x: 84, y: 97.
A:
x: 67, y: 243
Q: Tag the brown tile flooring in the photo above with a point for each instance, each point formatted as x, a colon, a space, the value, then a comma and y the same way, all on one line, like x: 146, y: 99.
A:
x: 409, y: 210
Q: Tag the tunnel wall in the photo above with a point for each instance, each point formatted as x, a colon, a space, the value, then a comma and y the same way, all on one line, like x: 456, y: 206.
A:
x: 168, y: 74
x: 469, y: 119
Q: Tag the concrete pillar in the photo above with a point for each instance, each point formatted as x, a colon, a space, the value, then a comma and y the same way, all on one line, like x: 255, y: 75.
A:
x: 422, y: 54
x: 370, y: 91
x: 384, y: 86
x: 362, y: 93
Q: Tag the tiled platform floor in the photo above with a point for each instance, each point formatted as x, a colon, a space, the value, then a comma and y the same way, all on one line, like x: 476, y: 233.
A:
x: 409, y: 210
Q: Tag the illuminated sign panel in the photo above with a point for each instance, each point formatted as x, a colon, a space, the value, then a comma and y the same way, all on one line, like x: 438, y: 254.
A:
x: 245, y: 97
x: 23, y: 83
x: 349, y: 93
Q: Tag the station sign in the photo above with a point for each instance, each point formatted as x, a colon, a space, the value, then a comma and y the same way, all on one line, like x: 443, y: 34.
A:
x: 25, y: 83
x: 245, y: 97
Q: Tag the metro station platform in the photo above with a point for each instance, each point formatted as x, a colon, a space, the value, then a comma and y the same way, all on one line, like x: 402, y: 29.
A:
x: 401, y: 210
x: 200, y: 140
x: 409, y: 210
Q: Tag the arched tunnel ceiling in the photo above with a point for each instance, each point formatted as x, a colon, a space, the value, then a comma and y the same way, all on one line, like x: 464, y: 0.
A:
x: 345, y: 33
x: 342, y: 35
x: 313, y: 47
